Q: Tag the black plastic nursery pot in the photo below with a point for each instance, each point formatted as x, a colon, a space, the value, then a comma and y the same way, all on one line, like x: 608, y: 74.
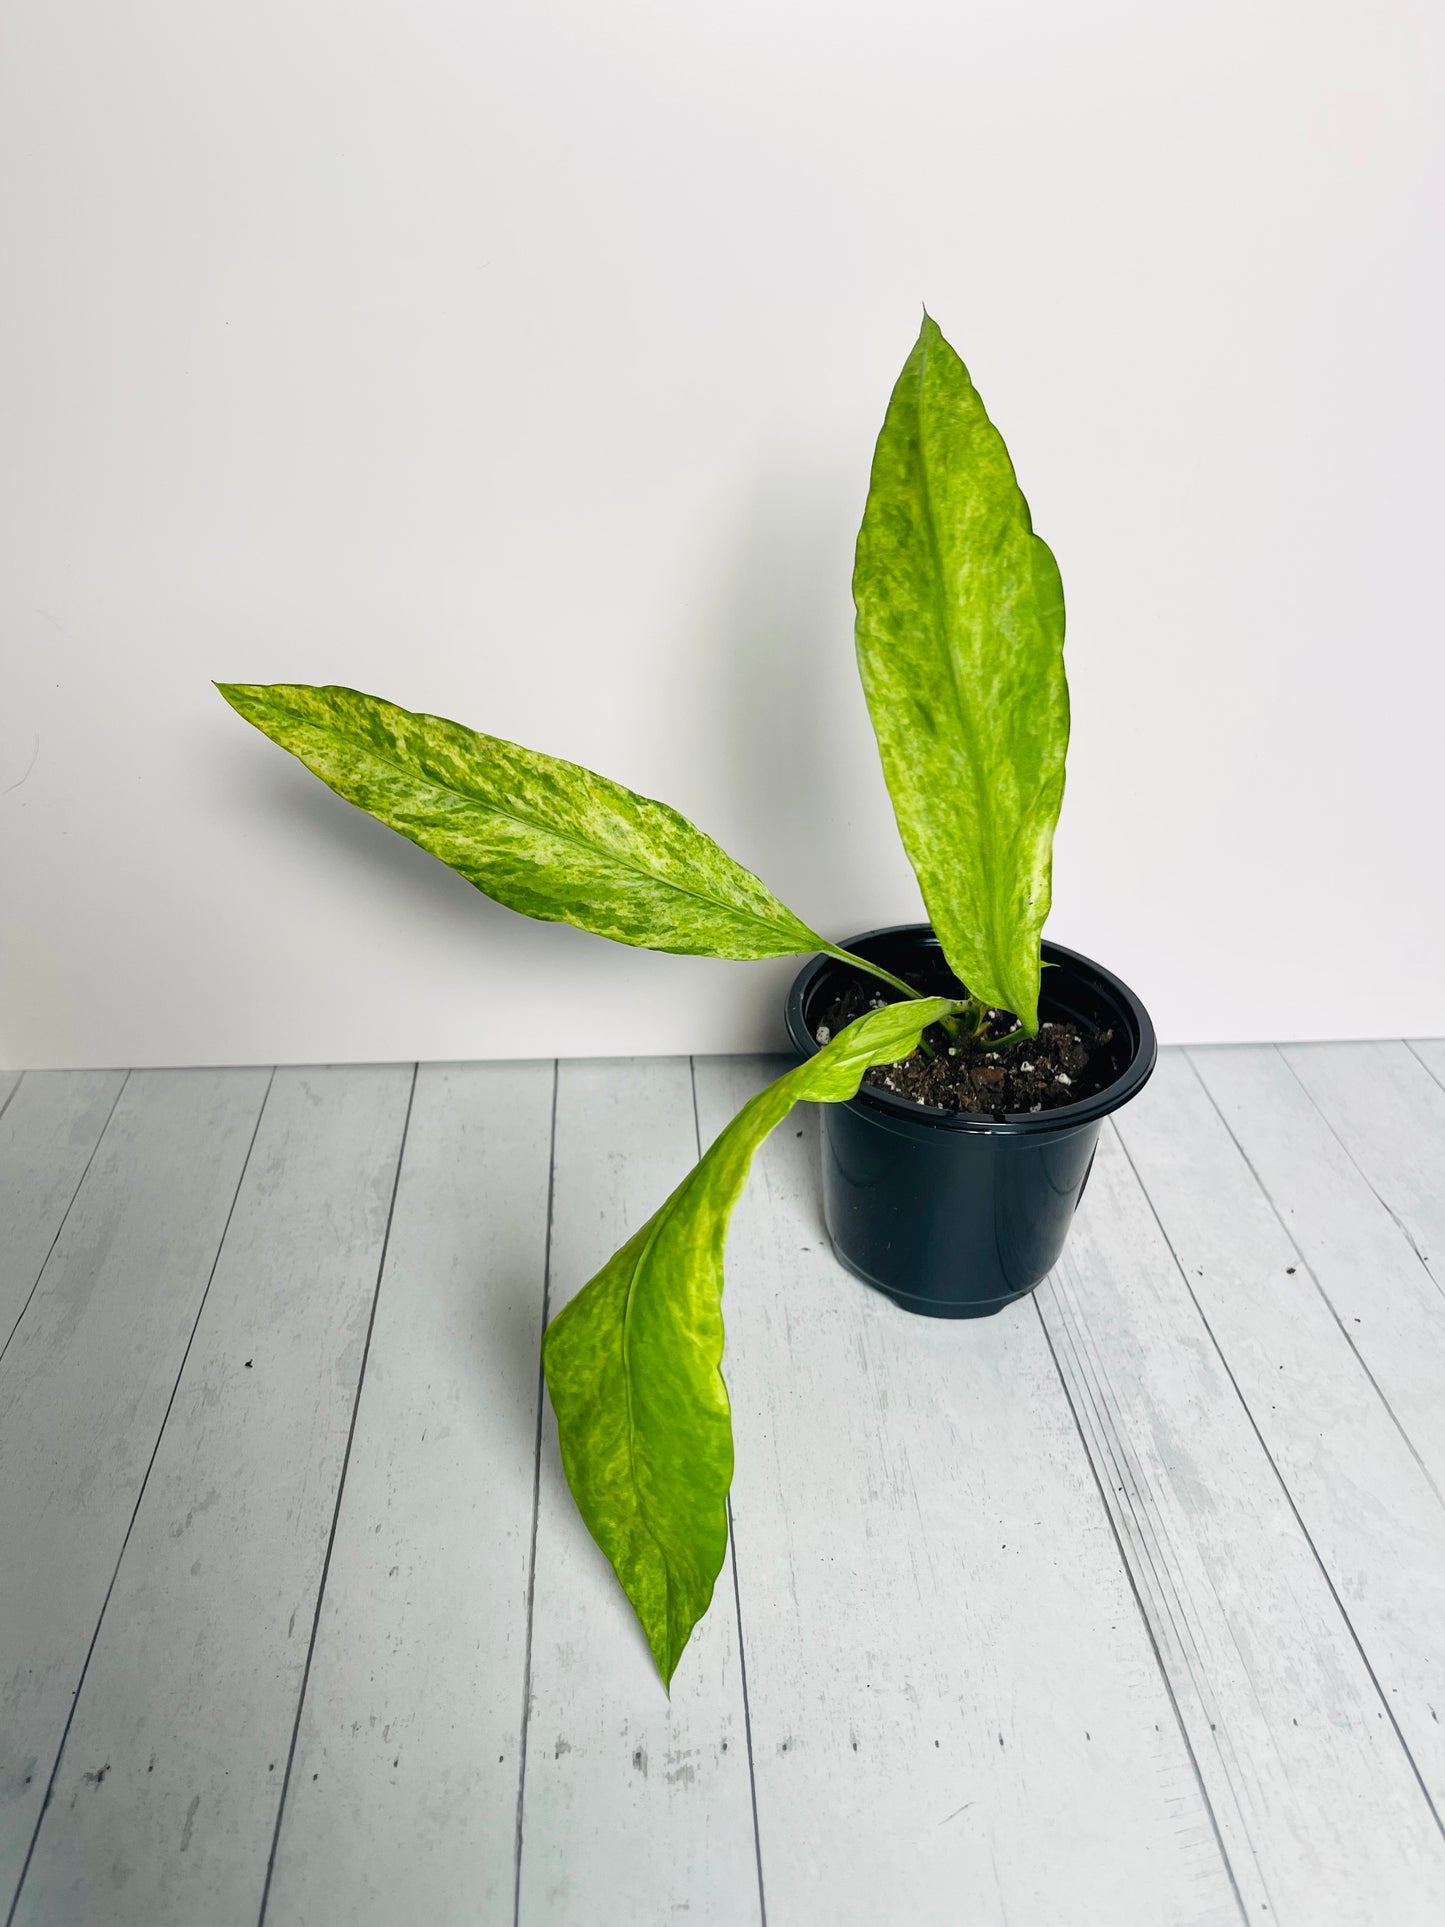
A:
x: 948, y: 1213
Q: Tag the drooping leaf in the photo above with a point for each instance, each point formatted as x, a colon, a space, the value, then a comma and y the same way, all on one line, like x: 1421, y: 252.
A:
x: 960, y: 641
x: 632, y: 1363
x: 542, y: 836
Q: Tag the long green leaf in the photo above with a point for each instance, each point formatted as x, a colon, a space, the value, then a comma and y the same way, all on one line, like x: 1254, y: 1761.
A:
x: 960, y: 643
x: 632, y: 1362
x: 543, y: 836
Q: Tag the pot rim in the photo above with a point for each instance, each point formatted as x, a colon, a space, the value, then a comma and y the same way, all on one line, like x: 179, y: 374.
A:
x: 1063, y: 1117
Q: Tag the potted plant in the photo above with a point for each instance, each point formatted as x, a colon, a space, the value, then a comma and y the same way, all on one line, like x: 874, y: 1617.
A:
x: 965, y: 1090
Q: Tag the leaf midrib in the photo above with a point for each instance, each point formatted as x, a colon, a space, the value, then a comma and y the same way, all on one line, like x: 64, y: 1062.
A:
x: 624, y: 1347
x: 564, y: 836
x: 967, y: 729
x: 659, y: 1222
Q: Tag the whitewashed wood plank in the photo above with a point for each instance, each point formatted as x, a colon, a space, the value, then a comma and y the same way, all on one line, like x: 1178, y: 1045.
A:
x: 1389, y: 1113
x: 8, y: 1081
x: 1431, y: 1053
x: 166, y: 1797
x: 1320, y: 1811
x: 84, y: 1389
x: 48, y: 1134
x: 956, y: 1713
x: 1375, y: 1519
x: 1367, y: 1269
x: 402, y: 1800
x: 637, y: 1808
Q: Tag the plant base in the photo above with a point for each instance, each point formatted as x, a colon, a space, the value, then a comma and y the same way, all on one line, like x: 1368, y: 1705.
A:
x: 956, y: 1214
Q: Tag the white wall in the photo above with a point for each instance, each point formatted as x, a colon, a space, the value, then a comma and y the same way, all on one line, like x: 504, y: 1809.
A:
x: 522, y: 362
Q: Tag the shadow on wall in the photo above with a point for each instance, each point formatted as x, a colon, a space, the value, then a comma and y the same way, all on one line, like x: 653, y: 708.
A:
x: 778, y: 688
x: 282, y: 805
x: 286, y: 801
x: 768, y: 691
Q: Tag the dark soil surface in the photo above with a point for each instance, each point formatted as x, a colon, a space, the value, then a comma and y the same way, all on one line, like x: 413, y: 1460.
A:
x: 1061, y: 1065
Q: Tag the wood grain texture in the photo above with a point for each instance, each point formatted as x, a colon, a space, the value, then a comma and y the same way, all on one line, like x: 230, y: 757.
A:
x: 955, y: 1709
x: 402, y: 1801
x: 48, y: 1133
x: 1364, y: 1263
x: 637, y: 1807
x: 1374, y: 1517
x: 1388, y: 1112
x: 1320, y: 1811
x: 84, y: 1390
x: 166, y: 1798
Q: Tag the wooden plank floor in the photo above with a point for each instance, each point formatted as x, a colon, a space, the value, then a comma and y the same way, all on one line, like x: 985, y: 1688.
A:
x: 1123, y: 1609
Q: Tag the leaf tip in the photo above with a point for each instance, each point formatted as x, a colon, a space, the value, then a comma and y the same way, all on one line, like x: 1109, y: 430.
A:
x: 667, y: 1644
x: 238, y: 694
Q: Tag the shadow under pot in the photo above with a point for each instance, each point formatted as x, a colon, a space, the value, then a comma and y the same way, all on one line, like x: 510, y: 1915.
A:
x: 950, y: 1213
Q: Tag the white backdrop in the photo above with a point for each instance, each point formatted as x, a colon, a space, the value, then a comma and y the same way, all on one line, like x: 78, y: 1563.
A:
x: 523, y: 362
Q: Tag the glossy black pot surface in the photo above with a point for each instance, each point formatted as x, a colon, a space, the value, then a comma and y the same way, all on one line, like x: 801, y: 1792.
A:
x: 950, y: 1213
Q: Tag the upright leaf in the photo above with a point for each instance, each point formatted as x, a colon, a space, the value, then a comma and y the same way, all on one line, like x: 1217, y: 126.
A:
x: 960, y: 640
x: 545, y: 837
x: 633, y: 1361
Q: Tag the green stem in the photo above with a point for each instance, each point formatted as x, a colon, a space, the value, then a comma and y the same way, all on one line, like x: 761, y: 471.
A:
x: 873, y: 969
x: 976, y: 1014
x: 1004, y: 1043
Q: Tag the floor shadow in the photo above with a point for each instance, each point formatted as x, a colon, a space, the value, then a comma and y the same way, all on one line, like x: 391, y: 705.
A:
x: 516, y: 1341
x: 807, y: 1125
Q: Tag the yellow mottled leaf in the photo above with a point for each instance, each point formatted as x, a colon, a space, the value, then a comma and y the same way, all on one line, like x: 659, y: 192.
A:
x: 633, y: 1363
x: 960, y: 640
x: 543, y: 836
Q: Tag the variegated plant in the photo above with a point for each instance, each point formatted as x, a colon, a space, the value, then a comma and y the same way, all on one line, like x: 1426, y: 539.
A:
x: 960, y: 644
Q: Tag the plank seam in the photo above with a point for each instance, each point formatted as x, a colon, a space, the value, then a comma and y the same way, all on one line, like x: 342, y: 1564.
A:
x: 1144, y: 1515
x: 1380, y: 1693
x: 9, y: 1095
x: 336, y: 1508
x: 1139, y: 1504
x: 536, y: 1504
x: 1429, y: 1072
x: 140, y: 1495
x: 1383, y: 1202
x: 100, y: 1139
x: 737, y: 1596
x: 747, y: 1713
x: 1310, y: 1273
x: 1168, y: 1684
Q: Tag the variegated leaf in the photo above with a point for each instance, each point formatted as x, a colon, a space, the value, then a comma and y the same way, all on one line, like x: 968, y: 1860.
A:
x: 633, y: 1362
x: 543, y: 836
x: 960, y: 640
